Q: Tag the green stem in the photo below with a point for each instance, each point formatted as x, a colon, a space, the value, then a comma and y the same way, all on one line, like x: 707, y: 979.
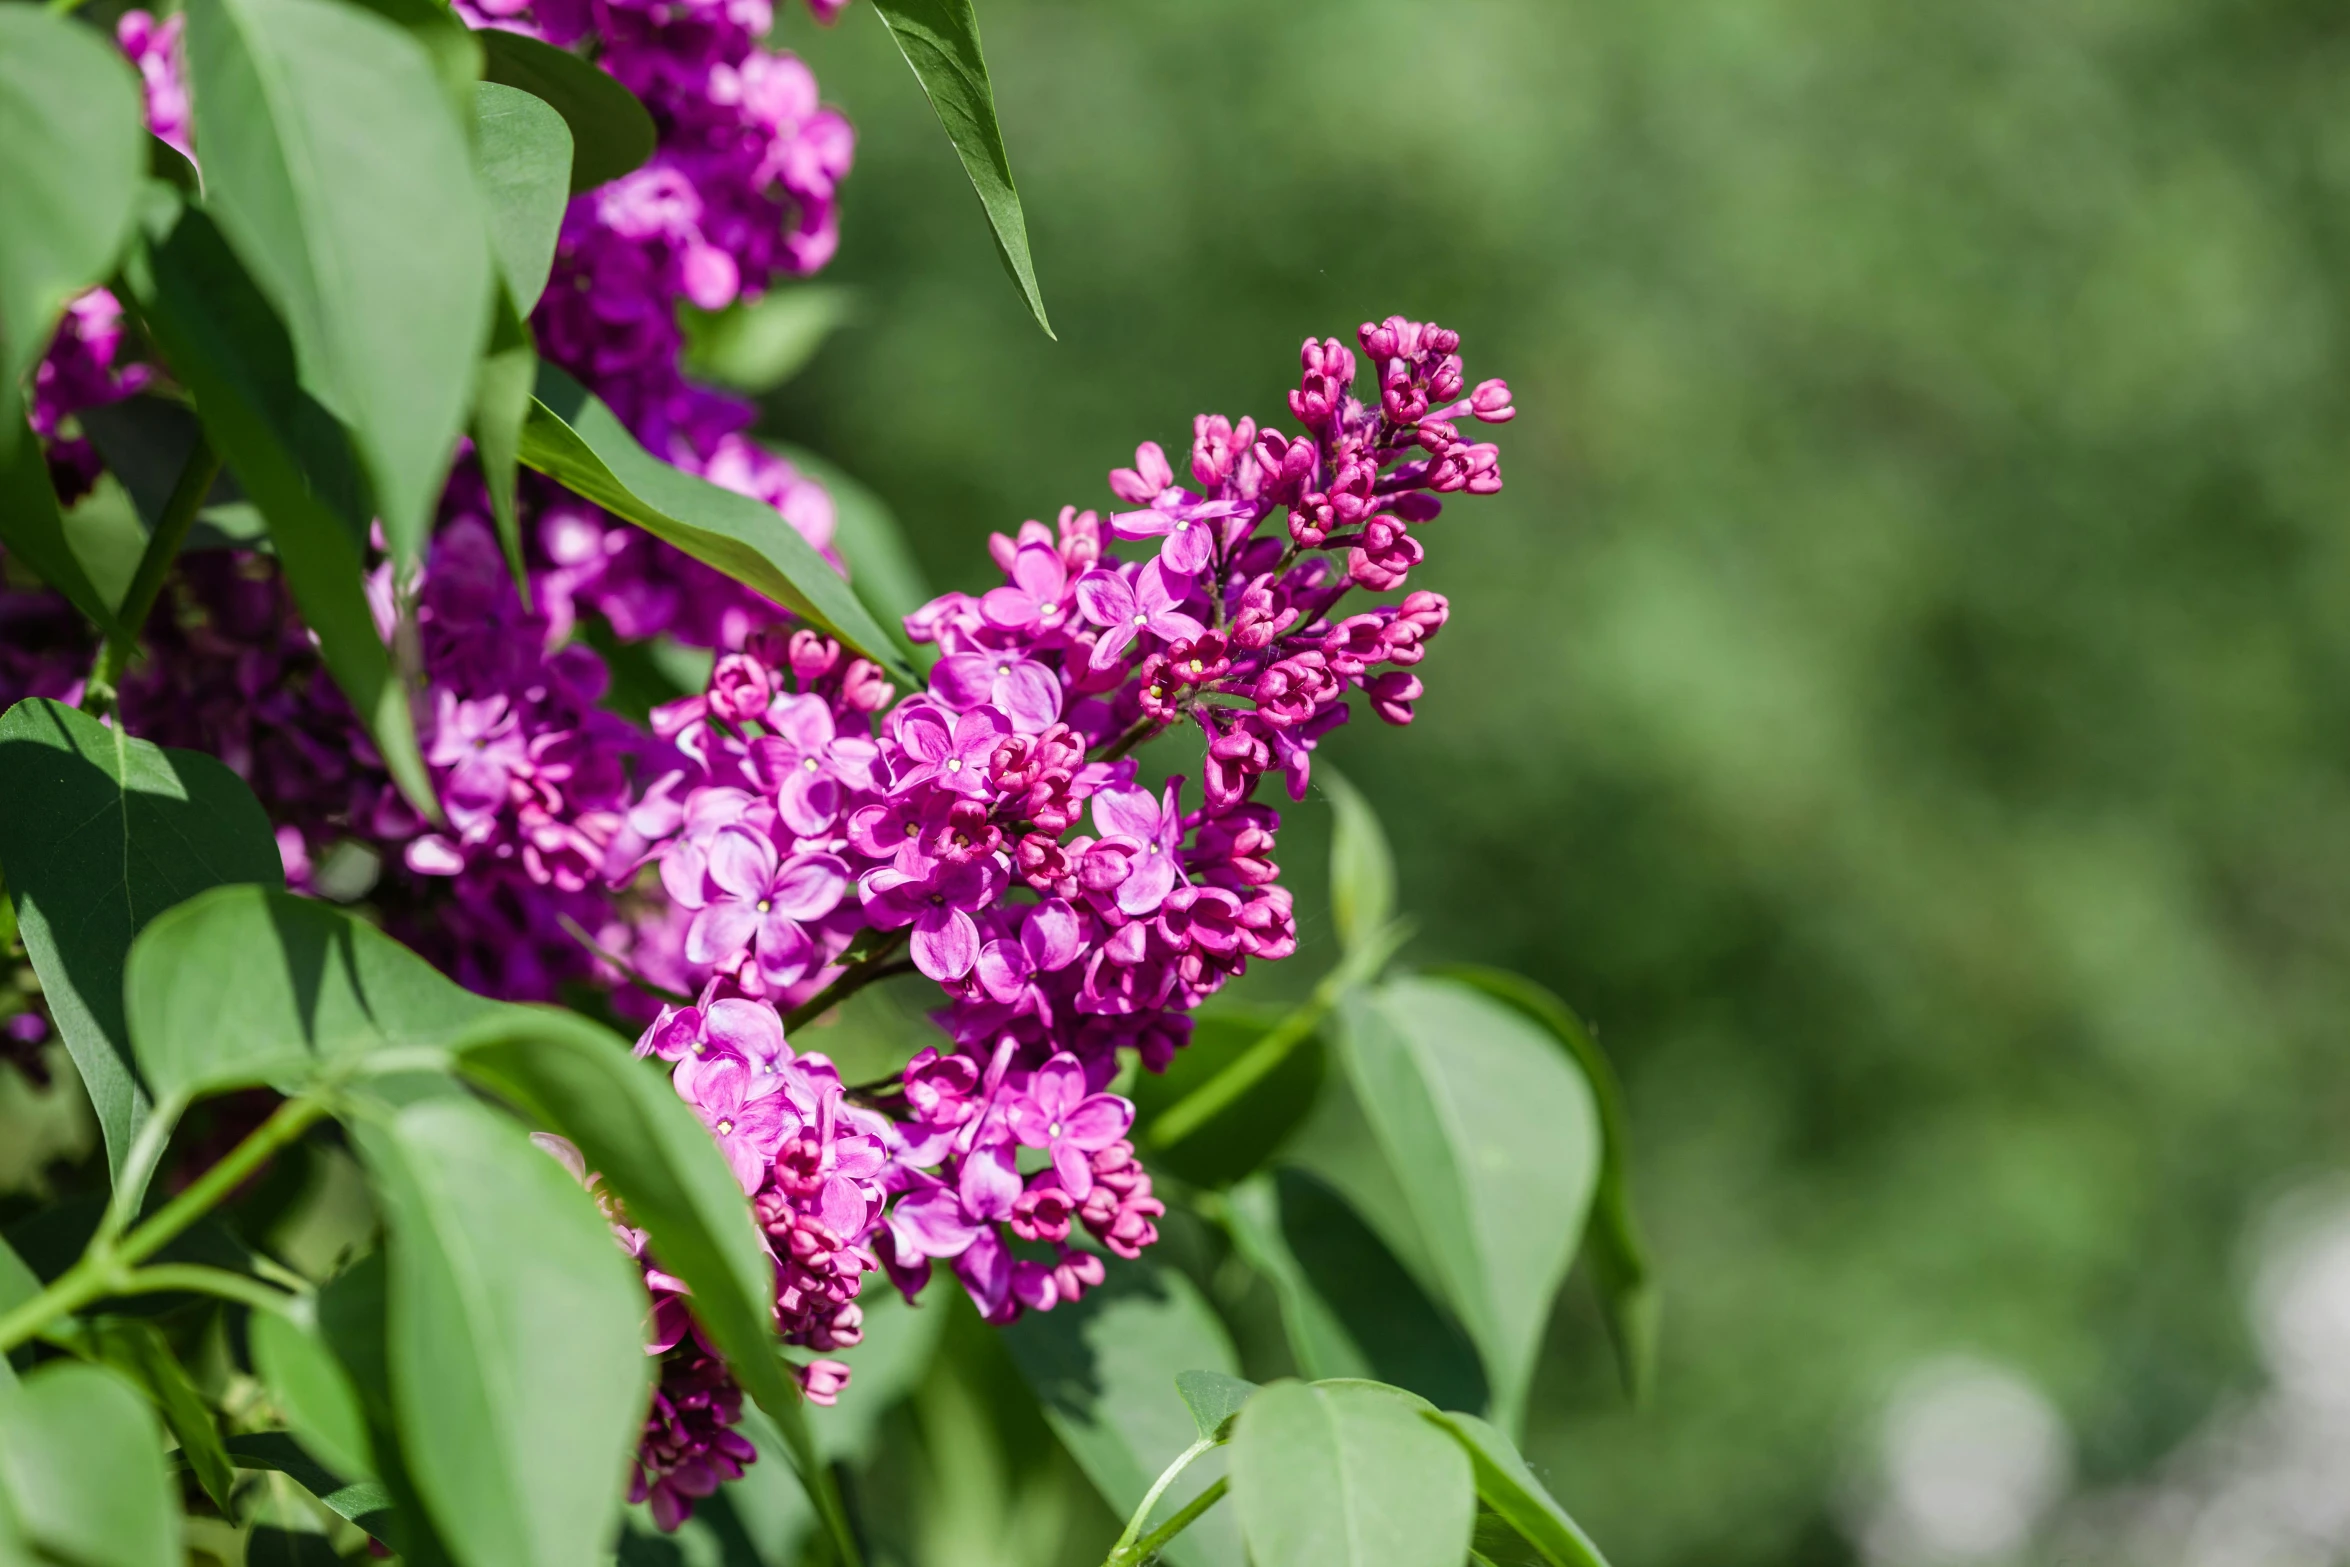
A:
x: 1141, y: 730
x: 155, y: 563
x: 1122, y: 1554
x: 1213, y: 1097
x: 874, y: 965
x: 106, y: 1268
x: 816, y: 1479
x: 1154, y: 1542
x: 196, y: 1279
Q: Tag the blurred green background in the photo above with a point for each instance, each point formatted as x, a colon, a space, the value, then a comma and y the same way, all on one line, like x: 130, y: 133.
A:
x: 1903, y: 693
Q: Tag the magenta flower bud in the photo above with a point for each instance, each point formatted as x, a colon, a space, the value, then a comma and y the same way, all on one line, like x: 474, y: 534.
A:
x: 1416, y: 506
x: 1392, y: 695
x: 1491, y: 402
x: 738, y: 689
x: 1161, y: 691
x: 1141, y: 484
x: 864, y: 688
x: 822, y: 1380
x: 1043, y: 1213
x: 811, y: 655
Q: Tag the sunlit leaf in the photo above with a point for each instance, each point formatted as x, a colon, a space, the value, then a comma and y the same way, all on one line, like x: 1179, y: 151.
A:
x: 101, y: 833
x: 333, y: 164
x: 755, y: 345
x: 516, y: 1336
x: 1506, y: 1485
x: 522, y: 150
x: 1494, y: 1139
x: 246, y: 985
x: 1104, y: 1369
x: 610, y: 131
x: 1213, y: 1399
x: 310, y: 1388
x: 1362, y: 867
x: 82, y: 1477
x: 940, y: 40
x: 574, y: 439
x: 1348, y: 1474
x: 293, y: 460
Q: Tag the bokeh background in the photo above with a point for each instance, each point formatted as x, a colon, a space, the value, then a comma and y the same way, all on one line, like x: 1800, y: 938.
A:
x: 1902, y: 695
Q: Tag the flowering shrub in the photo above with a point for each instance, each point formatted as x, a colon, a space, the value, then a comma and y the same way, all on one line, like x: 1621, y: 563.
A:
x: 957, y: 807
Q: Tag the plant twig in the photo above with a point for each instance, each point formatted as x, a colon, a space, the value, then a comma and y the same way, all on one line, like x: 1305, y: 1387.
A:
x: 881, y: 963
x: 155, y: 563
x: 1124, y: 1553
x: 1151, y: 1544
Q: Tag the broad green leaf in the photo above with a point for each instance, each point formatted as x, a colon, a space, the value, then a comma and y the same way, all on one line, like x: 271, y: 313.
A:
x: 293, y: 460
x: 17, y: 1285
x: 82, y: 1472
x: 364, y: 1502
x: 73, y: 133
x: 1494, y: 1138
x: 1238, y: 1138
x: 882, y: 570
x: 755, y: 345
x: 269, y: 1546
x: 653, y: 1153
x: 139, y: 1351
x: 501, y: 406
x: 1619, y: 1256
x: 1104, y: 1369
x: 248, y: 985
x: 1506, y: 1485
x: 574, y: 439
x: 333, y: 165
x: 611, y: 133
x: 31, y: 526
x: 102, y: 833
x: 1213, y: 1399
x: 940, y: 40
x: 354, y: 1319
x: 1362, y: 868
x: 522, y: 149
x: 452, y: 47
x: 1348, y: 1307
x: 1347, y: 1474
x: 309, y: 1387
x: 516, y: 1337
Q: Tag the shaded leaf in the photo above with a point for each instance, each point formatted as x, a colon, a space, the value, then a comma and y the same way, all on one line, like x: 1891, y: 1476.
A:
x: 310, y: 1388
x: 73, y: 136
x: 1348, y: 1307
x: 755, y: 345
x: 574, y: 439
x: 1619, y: 1256
x: 267, y: 1546
x: 1495, y: 1140
x: 139, y: 1351
x: 940, y: 40
x: 81, y: 1470
x: 1506, y: 1485
x: 291, y: 457
x: 882, y: 570
x: 249, y: 985
x: 516, y: 1337
x: 32, y: 527
x: 1213, y: 1399
x: 146, y: 442
x: 522, y: 150
x: 1348, y: 1474
x: 1362, y: 867
x: 354, y: 1311
x: 611, y: 133
x: 363, y: 1502
x: 332, y: 163
x: 1238, y: 1138
x: 1104, y: 1369
x: 100, y: 835
x: 501, y: 406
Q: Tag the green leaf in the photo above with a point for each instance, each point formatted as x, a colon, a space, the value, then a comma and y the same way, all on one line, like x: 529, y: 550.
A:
x: 1347, y: 1474
x: 146, y: 442
x: 882, y: 570
x: 364, y: 1502
x: 1362, y: 868
x: 100, y: 835
x: 755, y: 345
x: 1494, y: 1138
x: 1506, y: 1485
x: 940, y: 40
x: 1348, y: 1307
x: 1239, y: 1137
x: 453, y: 48
x: 332, y: 163
x: 501, y: 406
x: 516, y: 1348
x: 1213, y: 1399
x: 268, y: 1546
x: 574, y: 439
x: 249, y: 985
x: 522, y: 149
x: 32, y: 527
x: 354, y: 1318
x: 292, y: 458
x: 1619, y: 1256
x: 1103, y: 1366
x: 81, y: 1471
x: 73, y: 130
x: 139, y: 1351
x: 611, y: 133
x: 309, y: 1387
